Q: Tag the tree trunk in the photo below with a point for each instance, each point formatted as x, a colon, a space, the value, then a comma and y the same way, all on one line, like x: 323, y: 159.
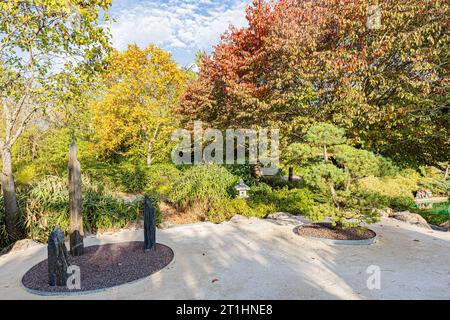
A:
x: 149, y: 153
x: 325, y: 153
x: 333, y: 195
x: 9, y: 197
x: 446, y: 173
x: 347, y: 185
x: 291, y: 174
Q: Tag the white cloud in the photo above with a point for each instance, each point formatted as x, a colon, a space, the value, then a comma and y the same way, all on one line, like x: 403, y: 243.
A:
x: 174, y: 24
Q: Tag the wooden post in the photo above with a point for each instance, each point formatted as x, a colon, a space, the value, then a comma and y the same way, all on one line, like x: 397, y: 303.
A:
x: 76, y: 217
x: 149, y: 225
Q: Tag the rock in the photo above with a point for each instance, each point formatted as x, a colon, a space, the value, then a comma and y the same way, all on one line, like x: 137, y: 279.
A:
x: 166, y: 225
x: 386, y: 213
x: 445, y: 225
x: 20, y: 246
x: 285, y: 218
x: 75, y: 203
x: 238, y: 218
x: 412, y: 218
x: 76, y: 243
x: 57, y: 259
x: 149, y: 225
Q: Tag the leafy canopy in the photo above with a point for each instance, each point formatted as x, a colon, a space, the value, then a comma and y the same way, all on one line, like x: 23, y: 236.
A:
x: 303, y: 60
x: 135, y: 106
x: 325, y: 134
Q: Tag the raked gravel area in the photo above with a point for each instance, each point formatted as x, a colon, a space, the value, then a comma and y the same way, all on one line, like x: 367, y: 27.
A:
x: 265, y: 259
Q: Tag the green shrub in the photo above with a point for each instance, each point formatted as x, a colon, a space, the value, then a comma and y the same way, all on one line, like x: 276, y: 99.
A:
x: 401, y: 203
x: 131, y: 177
x: 396, y: 192
x: 160, y: 178
x: 383, y: 201
x: 222, y: 209
x: 225, y: 208
x: 279, y: 182
x: 433, y: 218
x: 154, y: 198
x: 124, y: 177
x: 351, y: 211
x: 4, y: 241
x: 243, y: 171
x: 134, y: 178
x: 325, y: 177
x: 294, y: 201
x: 26, y: 175
x: 409, y: 173
x: 204, y: 184
x: 398, y: 186
x: 437, y: 187
x: 386, y: 167
x: 209, y: 189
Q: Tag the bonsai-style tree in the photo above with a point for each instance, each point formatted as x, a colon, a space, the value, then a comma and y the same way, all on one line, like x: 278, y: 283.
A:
x: 319, y: 136
x: 358, y: 163
x: 325, y: 135
x: 340, y: 204
x: 297, y: 154
x: 326, y: 178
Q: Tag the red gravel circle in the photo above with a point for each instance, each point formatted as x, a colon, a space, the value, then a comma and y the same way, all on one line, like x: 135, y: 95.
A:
x: 326, y: 231
x: 104, y: 266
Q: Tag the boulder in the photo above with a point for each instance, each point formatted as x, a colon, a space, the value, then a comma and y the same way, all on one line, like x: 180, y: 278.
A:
x: 445, y: 225
x: 238, y: 218
x: 386, y: 213
x: 412, y: 218
x: 285, y: 218
x: 20, y: 245
x: 58, y: 260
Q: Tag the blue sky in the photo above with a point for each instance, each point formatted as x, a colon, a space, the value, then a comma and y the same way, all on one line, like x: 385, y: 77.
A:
x: 179, y: 26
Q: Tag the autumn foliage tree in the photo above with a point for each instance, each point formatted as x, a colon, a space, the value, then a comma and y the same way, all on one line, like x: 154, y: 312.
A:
x: 133, y: 114
x: 299, y: 62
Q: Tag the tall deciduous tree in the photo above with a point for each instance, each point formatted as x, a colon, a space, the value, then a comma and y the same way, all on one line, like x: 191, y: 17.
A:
x: 134, y: 113
x: 39, y: 38
x: 385, y: 83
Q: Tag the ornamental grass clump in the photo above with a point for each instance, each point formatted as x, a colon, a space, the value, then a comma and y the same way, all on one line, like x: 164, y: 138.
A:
x: 202, y: 185
x: 47, y: 206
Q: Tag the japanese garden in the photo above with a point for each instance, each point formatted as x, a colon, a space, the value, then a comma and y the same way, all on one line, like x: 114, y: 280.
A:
x: 322, y: 154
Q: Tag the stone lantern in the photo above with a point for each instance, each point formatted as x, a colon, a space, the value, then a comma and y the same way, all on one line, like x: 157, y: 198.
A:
x: 242, y: 189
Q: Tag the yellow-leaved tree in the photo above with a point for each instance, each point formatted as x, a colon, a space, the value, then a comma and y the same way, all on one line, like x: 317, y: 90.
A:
x: 133, y: 116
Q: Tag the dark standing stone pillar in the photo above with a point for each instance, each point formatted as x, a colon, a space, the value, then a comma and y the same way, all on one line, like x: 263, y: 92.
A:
x: 76, y: 217
x: 149, y: 225
x: 57, y: 259
x: 291, y: 174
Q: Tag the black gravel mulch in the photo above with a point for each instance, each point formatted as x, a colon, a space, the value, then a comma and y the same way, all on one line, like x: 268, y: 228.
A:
x: 105, y: 266
x: 326, y: 231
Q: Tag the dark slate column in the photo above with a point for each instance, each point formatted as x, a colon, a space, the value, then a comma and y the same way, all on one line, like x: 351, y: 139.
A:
x: 57, y: 259
x: 76, y: 217
x: 149, y: 225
